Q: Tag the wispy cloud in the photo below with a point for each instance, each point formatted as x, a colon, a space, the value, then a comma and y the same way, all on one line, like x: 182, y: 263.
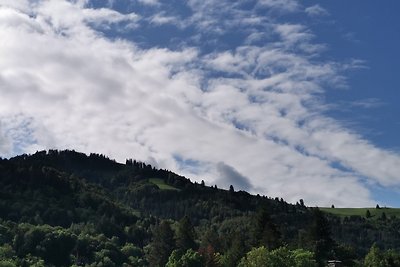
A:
x: 149, y: 2
x: 161, y: 18
x: 280, y: 5
x: 316, y: 11
x: 104, y: 15
x: 368, y: 103
x: 245, y: 109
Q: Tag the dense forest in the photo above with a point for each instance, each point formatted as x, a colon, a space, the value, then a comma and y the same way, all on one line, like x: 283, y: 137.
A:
x: 64, y: 208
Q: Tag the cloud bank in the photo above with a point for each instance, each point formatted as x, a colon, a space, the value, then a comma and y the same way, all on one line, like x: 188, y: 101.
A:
x: 247, y: 112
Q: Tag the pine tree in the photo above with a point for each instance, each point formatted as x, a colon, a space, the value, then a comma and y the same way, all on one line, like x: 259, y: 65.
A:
x: 185, y: 235
x: 235, y: 252
x: 162, y: 244
x: 368, y: 214
x: 319, y: 236
x: 231, y: 189
x: 211, y: 238
x: 266, y: 233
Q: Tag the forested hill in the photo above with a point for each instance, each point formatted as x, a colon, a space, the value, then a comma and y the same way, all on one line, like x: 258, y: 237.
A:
x: 63, y: 208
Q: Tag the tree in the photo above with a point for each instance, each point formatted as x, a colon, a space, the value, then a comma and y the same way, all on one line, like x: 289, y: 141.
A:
x: 304, y: 258
x: 280, y: 257
x: 185, y: 235
x: 7, y: 263
x: 375, y: 258
x: 266, y: 232
x: 346, y: 254
x: 209, y: 256
x: 162, y: 244
x: 257, y: 257
x: 130, y: 250
x: 392, y: 257
x: 189, y: 259
x: 319, y: 237
x: 231, y: 189
x: 210, y: 244
x: 57, y: 246
x: 368, y: 214
x: 211, y: 238
x: 235, y: 252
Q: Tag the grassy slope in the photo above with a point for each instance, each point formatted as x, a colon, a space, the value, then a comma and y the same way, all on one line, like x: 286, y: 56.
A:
x: 375, y: 213
x: 161, y: 184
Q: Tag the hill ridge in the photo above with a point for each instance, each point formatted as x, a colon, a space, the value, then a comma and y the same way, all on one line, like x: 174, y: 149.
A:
x: 94, y: 198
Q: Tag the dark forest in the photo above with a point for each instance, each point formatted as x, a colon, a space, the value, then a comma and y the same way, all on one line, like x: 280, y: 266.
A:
x: 64, y: 208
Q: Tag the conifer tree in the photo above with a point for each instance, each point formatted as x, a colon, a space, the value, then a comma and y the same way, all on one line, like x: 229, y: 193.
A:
x: 162, y: 244
x: 319, y: 235
x: 368, y: 214
x: 266, y: 232
x: 185, y: 235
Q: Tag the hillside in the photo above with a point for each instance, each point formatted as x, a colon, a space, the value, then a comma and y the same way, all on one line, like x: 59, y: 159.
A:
x: 60, y: 208
x: 374, y: 212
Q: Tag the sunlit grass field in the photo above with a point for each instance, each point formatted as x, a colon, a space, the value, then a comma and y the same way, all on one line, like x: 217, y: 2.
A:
x: 161, y: 184
x: 375, y: 213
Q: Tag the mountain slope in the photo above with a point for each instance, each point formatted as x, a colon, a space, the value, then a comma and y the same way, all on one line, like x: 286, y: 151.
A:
x: 98, y: 211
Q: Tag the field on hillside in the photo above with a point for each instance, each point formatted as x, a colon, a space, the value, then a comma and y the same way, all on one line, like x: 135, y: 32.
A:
x: 375, y: 213
x: 161, y: 184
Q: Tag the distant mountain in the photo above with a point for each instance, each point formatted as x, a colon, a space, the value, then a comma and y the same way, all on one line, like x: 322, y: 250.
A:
x: 60, y: 208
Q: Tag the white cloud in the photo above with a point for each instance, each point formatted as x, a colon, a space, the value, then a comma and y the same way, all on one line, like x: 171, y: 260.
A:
x: 367, y: 103
x: 255, y: 109
x: 217, y: 17
x: 280, y: 5
x: 104, y: 15
x: 71, y: 18
x: 297, y: 37
x: 21, y: 5
x: 5, y: 144
x: 316, y: 11
x: 149, y: 2
x: 12, y: 18
x: 161, y: 19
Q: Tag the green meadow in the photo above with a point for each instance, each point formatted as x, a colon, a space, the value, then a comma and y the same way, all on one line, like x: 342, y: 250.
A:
x: 161, y: 184
x: 375, y: 213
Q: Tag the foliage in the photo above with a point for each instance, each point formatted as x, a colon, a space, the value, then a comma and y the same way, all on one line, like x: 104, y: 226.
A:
x: 375, y: 258
x: 319, y: 237
x: 162, y: 244
x: 190, y: 258
x: 257, y: 257
x: 185, y: 235
x: 266, y: 232
x: 64, y: 208
x: 280, y: 257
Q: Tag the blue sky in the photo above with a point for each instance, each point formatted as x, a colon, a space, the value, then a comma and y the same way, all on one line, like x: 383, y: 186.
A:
x: 295, y: 99
x: 373, y: 36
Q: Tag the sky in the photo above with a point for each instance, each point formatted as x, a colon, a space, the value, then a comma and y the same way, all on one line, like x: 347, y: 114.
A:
x: 284, y: 98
